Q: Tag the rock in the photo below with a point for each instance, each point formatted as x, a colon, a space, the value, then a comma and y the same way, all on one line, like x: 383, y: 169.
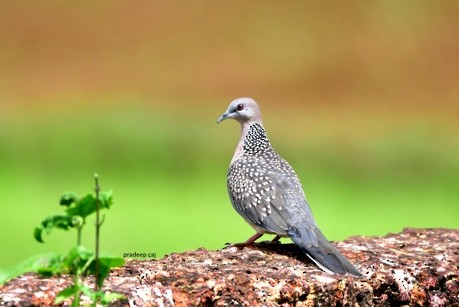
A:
x: 417, y: 267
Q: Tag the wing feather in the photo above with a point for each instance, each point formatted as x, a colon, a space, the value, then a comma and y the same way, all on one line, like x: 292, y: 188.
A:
x: 261, y: 196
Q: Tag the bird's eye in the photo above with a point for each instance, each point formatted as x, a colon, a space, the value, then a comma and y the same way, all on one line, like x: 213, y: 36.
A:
x: 240, y: 107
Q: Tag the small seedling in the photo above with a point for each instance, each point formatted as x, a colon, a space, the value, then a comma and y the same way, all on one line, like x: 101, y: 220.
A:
x: 79, y: 262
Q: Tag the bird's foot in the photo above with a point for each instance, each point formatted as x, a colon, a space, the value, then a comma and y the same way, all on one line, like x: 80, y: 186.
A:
x: 238, y: 245
x: 250, y: 241
x: 273, y: 241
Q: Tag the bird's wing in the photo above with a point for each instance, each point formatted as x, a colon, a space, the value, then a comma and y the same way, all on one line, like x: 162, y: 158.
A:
x: 270, y: 198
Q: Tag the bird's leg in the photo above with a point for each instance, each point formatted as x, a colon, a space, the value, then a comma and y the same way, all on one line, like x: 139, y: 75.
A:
x: 249, y: 240
x: 273, y: 241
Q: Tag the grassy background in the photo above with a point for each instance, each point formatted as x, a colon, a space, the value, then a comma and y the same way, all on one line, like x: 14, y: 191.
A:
x: 361, y: 98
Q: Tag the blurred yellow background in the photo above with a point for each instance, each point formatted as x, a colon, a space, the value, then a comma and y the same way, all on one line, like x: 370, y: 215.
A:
x: 362, y: 98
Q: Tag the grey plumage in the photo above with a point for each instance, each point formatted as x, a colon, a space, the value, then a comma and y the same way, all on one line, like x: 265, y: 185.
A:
x: 266, y: 192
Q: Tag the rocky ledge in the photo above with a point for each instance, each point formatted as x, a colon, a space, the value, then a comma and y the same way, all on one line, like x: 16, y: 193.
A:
x: 417, y: 267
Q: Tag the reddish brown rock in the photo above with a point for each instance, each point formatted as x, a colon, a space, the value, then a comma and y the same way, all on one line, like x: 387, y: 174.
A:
x: 417, y: 267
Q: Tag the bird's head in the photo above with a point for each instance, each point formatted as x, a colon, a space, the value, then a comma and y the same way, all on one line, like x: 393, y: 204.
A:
x: 244, y: 110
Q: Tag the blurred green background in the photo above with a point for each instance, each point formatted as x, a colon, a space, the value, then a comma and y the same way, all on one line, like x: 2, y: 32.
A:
x: 362, y: 98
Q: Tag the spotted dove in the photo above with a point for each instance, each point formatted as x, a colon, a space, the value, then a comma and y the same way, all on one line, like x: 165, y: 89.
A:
x: 266, y: 192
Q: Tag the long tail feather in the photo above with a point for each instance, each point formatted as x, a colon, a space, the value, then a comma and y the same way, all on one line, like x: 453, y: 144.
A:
x: 314, y: 244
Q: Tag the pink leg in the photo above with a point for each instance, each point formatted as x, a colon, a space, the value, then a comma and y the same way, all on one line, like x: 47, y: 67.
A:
x: 249, y: 240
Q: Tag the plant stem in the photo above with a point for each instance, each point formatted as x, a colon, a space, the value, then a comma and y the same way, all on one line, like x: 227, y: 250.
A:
x: 96, y: 177
x: 76, y: 283
x: 79, y: 235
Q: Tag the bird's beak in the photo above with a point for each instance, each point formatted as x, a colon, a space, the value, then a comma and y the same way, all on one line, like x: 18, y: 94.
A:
x: 223, y: 117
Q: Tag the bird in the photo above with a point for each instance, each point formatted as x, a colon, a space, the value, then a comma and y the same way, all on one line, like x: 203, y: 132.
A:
x: 265, y: 190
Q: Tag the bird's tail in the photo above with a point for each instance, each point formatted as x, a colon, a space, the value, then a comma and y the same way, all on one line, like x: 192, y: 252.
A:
x: 314, y: 244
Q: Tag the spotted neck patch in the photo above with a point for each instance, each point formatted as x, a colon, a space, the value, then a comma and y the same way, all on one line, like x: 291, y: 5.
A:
x: 255, y: 140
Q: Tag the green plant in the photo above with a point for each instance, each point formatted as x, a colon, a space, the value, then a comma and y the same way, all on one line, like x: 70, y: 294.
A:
x: 80, y: 262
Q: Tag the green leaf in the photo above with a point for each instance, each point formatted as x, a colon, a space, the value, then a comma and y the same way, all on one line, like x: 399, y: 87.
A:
x: 111, y: 261
x: 84, y: 207
x: 79, y: 252
x: 105, y: 298
x: 106, y: 199
x: 108, y: 297
x: 77, y: 258
x: 106, y: 263
x: 50, y: 262
x: 87, y: 205
x: 54, y: 266
x: 66, y: 294
x: 64, y: 222
x: 68, y: 198
x: 37, y: 234
x: 89, y: 293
